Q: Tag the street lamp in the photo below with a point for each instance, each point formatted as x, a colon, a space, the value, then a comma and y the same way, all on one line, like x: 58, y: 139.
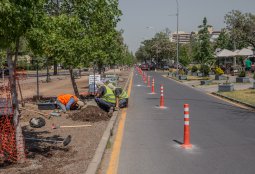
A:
x: 177, y: 43
x: 149, y: 27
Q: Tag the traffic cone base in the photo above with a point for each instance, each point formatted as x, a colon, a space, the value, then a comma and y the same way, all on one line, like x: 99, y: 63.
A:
x: 161, y: 107
x: 152, y: 93
x: 186, y: 146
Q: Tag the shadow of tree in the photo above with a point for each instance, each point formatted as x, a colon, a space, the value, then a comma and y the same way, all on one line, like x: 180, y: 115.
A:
x: 36, y: 145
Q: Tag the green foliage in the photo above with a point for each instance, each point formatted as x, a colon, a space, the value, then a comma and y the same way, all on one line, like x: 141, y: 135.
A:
x: 181, y: 72
x: 242, y: 74
x: 203, y: 53
x: 157, y: 48
x: 19, y: 17
x: 219, y: 71
x: 223, y: 41
x: 241, y: 27
x: 205, y: 69
x: 194, y: 69
x: 185, y: 54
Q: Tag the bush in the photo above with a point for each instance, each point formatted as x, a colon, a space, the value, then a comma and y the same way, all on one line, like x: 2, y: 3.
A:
x: 242, y: 74
x: 171, y: 70
x: 219, y: 71
x: 181, y: 72
x: 194, y: 69
x: 205, y: 69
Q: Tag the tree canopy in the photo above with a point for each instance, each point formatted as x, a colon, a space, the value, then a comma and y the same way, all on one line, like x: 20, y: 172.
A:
x: 241, y: 27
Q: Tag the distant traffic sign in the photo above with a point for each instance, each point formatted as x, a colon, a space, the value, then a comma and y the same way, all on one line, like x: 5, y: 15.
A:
x: 91, y: 78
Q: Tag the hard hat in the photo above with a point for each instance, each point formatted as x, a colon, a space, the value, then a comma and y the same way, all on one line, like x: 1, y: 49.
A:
x: 80, y: 104
x: 111, y: 86
x: 99, y: 83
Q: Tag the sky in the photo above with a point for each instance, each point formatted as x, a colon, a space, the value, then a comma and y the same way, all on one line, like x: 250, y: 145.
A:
x: 141, y: 19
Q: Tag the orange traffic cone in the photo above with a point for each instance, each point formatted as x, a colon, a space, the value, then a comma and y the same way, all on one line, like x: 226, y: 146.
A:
x: 149, y: 83
x: 145, y: 78
x: 152, y: 87
x: 162, y: 103
x: 186, y: 138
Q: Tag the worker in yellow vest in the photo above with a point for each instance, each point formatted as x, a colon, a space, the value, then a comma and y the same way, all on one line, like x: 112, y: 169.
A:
x: 121, y: 96
x: 105, y: 97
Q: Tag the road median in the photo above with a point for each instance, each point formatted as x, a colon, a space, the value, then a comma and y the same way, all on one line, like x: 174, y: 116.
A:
x: 98, y: 156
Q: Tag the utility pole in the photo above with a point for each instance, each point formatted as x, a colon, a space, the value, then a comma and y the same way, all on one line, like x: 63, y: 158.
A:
x: 177, y: 43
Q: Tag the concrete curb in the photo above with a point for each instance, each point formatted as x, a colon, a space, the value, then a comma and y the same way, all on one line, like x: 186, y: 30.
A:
x: 97, y: 158
x: 234, y: 100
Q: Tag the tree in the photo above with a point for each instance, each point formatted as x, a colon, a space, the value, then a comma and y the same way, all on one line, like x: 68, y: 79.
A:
x: 223, y: 41
x: 101, y: 20
x: 78, y: 32
x: 19, y: 17
x: 158, y: 48
x: 203, y: 48
x: 185, y: 54
x: 241, y: 27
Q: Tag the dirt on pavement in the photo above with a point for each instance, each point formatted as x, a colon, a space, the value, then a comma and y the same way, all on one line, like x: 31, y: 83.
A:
x: 54, y: 157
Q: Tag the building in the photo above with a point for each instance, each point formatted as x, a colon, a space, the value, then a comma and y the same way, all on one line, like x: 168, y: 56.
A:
x: 185, y: 37
x: 214, y: 35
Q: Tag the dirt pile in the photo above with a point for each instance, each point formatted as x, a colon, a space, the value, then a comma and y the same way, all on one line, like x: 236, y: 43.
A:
x: 90, y: 113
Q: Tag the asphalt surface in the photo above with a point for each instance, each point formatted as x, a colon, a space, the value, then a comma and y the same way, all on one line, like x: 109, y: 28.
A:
x: 222, y: 135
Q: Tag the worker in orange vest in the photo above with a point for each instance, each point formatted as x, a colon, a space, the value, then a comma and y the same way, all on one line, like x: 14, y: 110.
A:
x: 69, y: 102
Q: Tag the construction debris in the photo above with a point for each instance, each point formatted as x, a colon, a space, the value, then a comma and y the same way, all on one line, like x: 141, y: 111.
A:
x: 37, y: 122
x: 65, y: 141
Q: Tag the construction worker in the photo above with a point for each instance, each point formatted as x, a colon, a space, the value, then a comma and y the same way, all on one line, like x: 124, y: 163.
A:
x: 68, y: 102
x: 121, y: 96
x: 105, y: 97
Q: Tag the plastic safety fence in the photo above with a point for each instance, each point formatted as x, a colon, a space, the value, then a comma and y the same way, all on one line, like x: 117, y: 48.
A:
x: 8, y: 149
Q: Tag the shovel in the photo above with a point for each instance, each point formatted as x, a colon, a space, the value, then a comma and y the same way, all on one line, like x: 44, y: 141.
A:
x: 74, y: 126
x: 65, y: 142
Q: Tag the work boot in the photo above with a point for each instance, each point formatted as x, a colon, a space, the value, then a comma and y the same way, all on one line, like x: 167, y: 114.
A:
x: 110, y: 111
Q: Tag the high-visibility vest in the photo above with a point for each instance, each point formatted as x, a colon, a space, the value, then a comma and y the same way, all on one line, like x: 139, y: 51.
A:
x: 123, y: 95
x: 64, y: 99
x: 109, y: 96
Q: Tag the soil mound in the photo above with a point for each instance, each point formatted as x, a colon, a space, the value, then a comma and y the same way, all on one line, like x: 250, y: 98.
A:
x: 90, y: 113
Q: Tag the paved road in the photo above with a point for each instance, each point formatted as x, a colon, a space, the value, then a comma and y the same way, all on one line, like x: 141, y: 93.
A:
x: 223, y: 135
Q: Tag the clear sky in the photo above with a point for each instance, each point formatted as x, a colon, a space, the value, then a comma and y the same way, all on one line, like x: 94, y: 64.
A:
x: 159, y: 14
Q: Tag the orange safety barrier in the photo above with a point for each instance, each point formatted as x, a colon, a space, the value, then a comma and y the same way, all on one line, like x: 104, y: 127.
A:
x: 152, y: 87
x: 186, y: 138
x: 145, y: 78
x: 162, y: 103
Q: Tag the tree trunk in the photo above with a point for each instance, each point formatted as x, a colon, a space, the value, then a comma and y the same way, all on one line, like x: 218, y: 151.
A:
x: 55, y: 68
x: 75, y: 88
x: 100, y: 65
x: 48, y: 74
x: 19, y: 136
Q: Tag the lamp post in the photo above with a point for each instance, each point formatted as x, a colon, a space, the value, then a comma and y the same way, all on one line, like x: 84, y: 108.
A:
x: 156, y: 44
x: 177, y: 43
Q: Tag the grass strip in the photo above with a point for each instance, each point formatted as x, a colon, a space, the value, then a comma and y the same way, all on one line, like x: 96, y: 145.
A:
x: 246, y: 96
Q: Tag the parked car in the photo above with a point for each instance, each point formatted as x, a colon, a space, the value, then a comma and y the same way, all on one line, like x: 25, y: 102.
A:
x: 152, y: 66
x: 165, y: 67
x: 145, y: 66
x: 179, y: 66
